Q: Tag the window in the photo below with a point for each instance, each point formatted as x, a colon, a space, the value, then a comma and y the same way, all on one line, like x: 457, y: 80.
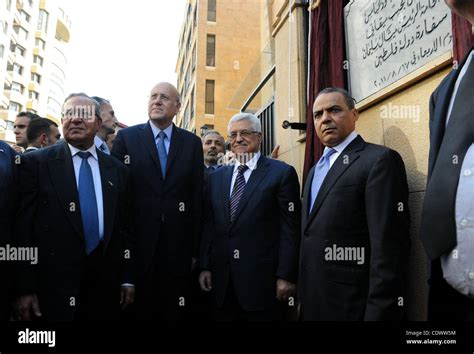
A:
x: 2, y: 50
x: 18, y: 69
x: 43, y: 21
x: 211, y: 10
x: 17, y: 87
x: 9, y: 4
x: 38, y: 60
x: 211, y: 50
x: 266, y: 117
x: 21, y: 32
x: 192, y: 103
x: 193, y: 59
x: 24, y: 16
x: 10, y: 125
x: 19, y: 50
x: 186, y: 118
x: 4, y: 27
x: 33, y: 95
x: 209, y: 97
x: 15, y: 107
x: 40, y: 43
x: 36, y: 78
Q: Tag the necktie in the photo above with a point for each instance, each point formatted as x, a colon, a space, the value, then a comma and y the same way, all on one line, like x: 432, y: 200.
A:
x: 320, y: 173
x: 438, y: 225
x: 238, y: 190
x: 89, y: 213
x: 211, y: 168
x: 162, y: 152
x: 104, y: 148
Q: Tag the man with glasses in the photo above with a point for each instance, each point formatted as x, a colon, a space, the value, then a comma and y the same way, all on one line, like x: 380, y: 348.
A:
x: 74, y: 199
x: 250, y: 246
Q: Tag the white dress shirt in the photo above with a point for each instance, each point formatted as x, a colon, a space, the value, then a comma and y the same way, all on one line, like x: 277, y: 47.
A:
x: 94, y: 164
x: 252, y: 165
x: 98, y: 142
x: 168, y: 132
x: 458, y: 265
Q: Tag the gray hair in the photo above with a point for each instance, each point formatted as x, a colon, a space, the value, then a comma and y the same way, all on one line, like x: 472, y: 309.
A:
x: 252, y: 118
x: 94, y: 102
x: 212, y: 132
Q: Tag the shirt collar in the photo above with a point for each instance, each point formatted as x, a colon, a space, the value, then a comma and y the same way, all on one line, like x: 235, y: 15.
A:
x: 75, y: 150
x: 98, y: 141
x: 251, y: 164
x: 168, y: 131
x: 341, y: 146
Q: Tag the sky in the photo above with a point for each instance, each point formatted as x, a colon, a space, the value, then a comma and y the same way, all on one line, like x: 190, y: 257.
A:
x: 120, y: 49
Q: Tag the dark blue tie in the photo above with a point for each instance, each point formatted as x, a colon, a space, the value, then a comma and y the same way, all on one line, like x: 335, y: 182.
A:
x: 89, y: 212
x: 162, y: 152
x: 238, y: 190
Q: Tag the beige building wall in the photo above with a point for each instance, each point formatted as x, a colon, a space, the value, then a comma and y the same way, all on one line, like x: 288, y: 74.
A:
x: 236, y: 30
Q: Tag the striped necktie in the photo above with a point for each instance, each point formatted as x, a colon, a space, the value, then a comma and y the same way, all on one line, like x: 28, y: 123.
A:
x: 238, y: 190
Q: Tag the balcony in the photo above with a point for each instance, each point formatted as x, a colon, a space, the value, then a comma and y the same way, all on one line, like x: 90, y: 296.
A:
x: 33, y: 86
x: 36, y: 68
x: 32, y: 104
x: 25, y: 5
x: 63, y: 27
x: 17, y: 97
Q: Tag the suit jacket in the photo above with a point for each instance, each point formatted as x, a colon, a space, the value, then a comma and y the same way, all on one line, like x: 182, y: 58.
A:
x: 51, y: 220
x: 265, y: 233
x: 168, y: 209
x: 357, y: 206
x: 8, y: 204
x: 441, y: 293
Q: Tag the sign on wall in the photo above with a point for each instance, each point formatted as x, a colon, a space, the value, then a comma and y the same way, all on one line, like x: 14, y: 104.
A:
x: 388, y: 39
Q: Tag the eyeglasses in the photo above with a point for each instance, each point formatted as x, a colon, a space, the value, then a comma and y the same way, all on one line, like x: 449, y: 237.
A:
x: 245, y: 134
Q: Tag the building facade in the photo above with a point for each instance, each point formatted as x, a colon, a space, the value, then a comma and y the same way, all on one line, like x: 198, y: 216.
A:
x: 218, y: 46
x: 34, y: 36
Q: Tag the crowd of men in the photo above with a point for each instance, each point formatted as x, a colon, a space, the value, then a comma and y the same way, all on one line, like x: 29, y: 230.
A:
x: 159, y: 224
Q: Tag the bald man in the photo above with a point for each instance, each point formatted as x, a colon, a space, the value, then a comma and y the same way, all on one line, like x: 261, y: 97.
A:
x: 166, y: 166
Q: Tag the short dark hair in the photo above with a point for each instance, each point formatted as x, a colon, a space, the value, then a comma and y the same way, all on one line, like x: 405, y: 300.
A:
x: 211, y: 132
x: 82, y: 94
x: 350, y: 101
x: 38, y: 127
x: 30, y: 115
x: 100, y: 100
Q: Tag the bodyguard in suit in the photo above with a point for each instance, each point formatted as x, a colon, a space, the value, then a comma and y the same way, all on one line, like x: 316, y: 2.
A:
x: 249, y: 253
x: 73, y: 210
x: 447, y: 224
x: 8, y: 203
x: 355, y: 222
x: 166, y: 166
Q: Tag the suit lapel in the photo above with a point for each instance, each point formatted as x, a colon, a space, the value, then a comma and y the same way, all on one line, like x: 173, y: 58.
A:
x: 62, y: 174
x: 148, y: 140
x: 307, y: 196
x: 109, y: 181
x: 342, y: 163
x: 256, y: 177
x: 176, y: 145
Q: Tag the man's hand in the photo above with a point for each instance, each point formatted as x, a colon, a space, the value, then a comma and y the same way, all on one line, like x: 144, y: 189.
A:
x: 24, y: 307
x: 205, y: 280
x: 18, y: 149
x: 275, y: 151
x: 284, y: 289
x: 127, y: 295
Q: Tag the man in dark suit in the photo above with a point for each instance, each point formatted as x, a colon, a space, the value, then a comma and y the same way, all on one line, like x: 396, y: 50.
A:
x: 213, y: 147
x: 73, y: 210
x: 355, y: 222
x: 41, y: 133
x: 166, y: 166
x: 448, y: 210
x: 249, y: 253
x: 8, y: 203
